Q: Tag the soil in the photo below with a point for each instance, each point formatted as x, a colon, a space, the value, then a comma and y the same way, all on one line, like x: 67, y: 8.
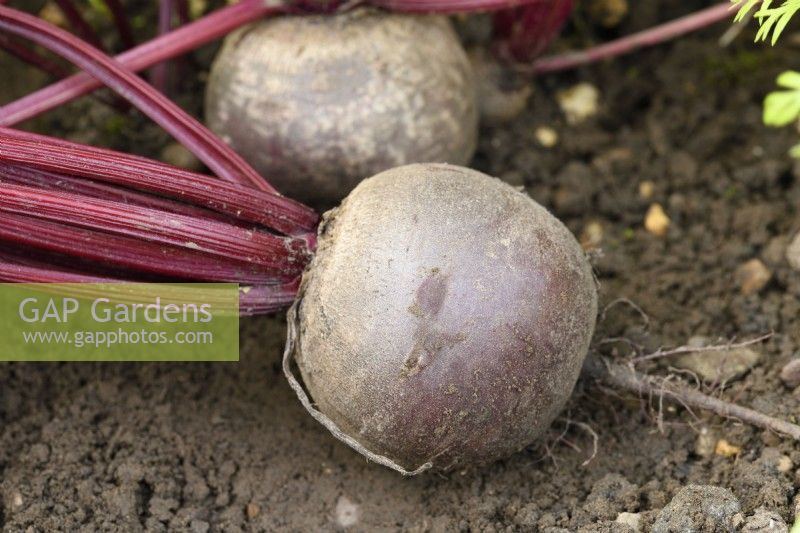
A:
x: 227, y: 447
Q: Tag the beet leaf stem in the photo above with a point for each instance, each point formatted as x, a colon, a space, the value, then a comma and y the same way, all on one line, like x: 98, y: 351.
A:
x: 167, y: 46
x: 226, y: 163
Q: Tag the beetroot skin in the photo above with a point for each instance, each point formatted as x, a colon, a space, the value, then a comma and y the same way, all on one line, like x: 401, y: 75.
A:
x: 445, y: 317
x: 317, y: 103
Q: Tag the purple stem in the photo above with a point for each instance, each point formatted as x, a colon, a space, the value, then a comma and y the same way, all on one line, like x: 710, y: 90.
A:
x: 522, y: 34
x: 64, y: 157
x: 280, y: 256
x: 122, y: 23
x: 125, y: 252
x: 226, y: 163
x: 53, y: 181
x: 624, y: 45
x: 158, y: 76
x: 182, y: 7
x: 175, y: 43
x: 33, y: 58
x: 253, y: 300
x: 77, y: 21
x: 449, y: 6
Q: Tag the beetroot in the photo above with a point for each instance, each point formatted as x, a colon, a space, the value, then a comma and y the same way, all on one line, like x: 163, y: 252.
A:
x: 444, y: 319
x: 317, y: 103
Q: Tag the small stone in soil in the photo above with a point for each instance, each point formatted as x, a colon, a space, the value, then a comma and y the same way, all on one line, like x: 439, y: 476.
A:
x: 718, y: 366
x: 252, y: 510
x: 579, y: 102
x: 706, y: 443
x: 608, y: 13
x: 790, y: 374
x: 547, y: 137
x: 656, y: 221
x: 347, y: 512
x: 774, y: 253
x: 726, y: 449
x: 752, y: 276
x: 646, y: 189
x: 793, y: 252
x: 700, y: 508
x: 632, y: 520
x: 591, y: 236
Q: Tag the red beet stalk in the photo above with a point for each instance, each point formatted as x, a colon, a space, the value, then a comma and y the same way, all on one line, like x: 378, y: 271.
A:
x: 253, y: 300
x: 281, y: 256
x: 45, y: 153
x: 53, y: 181
x: 173, y: 44
x: 630, y: 43
x: 33, y: 58
x: 121, y: 22
x: 211, y: 150
x: 522, y: 34
x: 114, y: 251
x: 159, y: 75
x: 78, y: 22
x: 451, y: 6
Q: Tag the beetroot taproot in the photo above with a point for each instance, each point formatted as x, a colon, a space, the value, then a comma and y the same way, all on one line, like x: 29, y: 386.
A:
x: 318, y: 103
x: 444, y: 319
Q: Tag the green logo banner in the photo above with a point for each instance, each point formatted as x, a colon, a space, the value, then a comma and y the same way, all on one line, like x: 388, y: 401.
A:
x: 119, y: 322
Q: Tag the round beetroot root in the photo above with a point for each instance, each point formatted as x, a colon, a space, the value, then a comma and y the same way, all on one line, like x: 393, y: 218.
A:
x: 444, y: 319
x: 318, y: 103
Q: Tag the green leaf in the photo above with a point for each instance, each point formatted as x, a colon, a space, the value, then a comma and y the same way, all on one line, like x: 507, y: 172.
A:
x: 789, y: 79
x: 744, y: 7
x: 781, y: 25
x: 772, y: 21
x: 794, y: 151
x: 781, y: 108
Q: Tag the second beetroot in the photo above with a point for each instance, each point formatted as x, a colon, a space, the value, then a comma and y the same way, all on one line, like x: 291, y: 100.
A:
x: 318, y: 103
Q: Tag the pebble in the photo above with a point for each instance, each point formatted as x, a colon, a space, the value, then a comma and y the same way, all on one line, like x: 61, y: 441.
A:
x: 546, y: 136
x: 718, y: 366
x: 793, y: 252
x: 773, y: 459
x: 752, y: 276
x: 591, y: 236
x: 656, y: 221
x: 252, y: 510
x: 347, y: 512
x: 579, y: 103
x: 790, y: 374
x: 646, y: 189
x: 632, y: 520
x: 726, y: 449
x: 774, y: 253
x: 608, y: 13
x: 706, y: 443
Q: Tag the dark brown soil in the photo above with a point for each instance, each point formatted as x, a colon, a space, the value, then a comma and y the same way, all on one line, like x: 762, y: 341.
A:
x: 227, y: 447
